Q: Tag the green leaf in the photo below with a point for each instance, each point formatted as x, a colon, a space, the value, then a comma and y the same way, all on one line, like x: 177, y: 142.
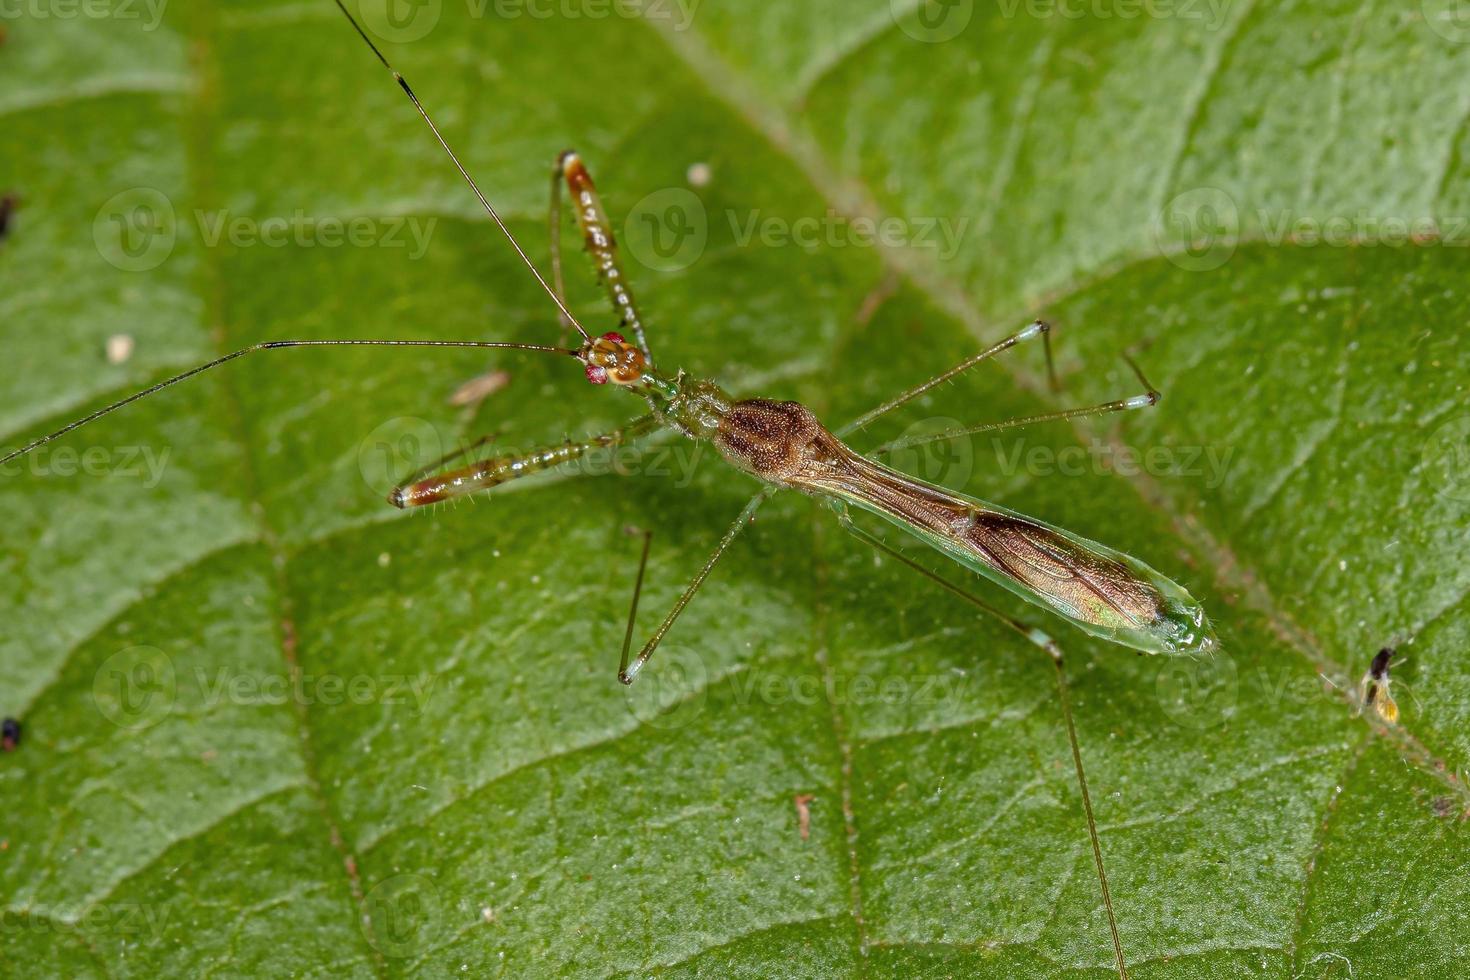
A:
x: 273, y: 725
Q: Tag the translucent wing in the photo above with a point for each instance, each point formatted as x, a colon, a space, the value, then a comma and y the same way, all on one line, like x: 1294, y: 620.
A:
x: 1103, y: 591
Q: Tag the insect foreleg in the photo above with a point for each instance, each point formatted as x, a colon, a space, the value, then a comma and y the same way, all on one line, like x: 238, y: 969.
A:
x: 492, y: 472
x: 553, y: 231
x: 601, y: 245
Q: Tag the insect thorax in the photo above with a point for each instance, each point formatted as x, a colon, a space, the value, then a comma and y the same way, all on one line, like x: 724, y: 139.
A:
x: 782, y: 442
x: 692, y: 405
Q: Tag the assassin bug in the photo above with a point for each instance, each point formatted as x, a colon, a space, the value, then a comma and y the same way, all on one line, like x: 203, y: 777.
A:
x: 1099, y: 590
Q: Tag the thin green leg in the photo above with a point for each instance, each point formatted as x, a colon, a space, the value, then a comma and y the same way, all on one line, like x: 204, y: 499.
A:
x: 1040, y: 639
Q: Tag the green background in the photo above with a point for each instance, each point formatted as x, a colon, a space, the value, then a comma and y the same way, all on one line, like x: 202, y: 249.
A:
x: 460, y: 786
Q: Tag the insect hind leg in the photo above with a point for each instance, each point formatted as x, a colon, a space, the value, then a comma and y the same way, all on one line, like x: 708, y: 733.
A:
x: 1039, y: 638
x: 1148, y: 399
x: 1037, y: 328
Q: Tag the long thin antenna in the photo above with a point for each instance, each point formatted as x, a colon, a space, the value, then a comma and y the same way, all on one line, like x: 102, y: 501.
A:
x: 403, y: 84
x: 272, y: 345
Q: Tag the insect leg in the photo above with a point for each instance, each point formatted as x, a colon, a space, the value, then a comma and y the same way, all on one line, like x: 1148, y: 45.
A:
x: 602, y: 246
x: 553, y: 229
x: 488, y: 473
x: 1047, y: 644
x: 1149, y: 398
x: 627, y: 672
x: 637, y: 594
x: 1031, y: 330
x: 448, y: 458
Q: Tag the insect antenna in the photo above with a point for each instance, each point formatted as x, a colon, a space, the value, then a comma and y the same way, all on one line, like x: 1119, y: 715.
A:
x: 269, y: 345
x: 484, y: 201
x: 569, y: 318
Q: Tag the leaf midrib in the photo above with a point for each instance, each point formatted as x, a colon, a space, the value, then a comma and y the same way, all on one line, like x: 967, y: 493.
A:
x: 202, y: 168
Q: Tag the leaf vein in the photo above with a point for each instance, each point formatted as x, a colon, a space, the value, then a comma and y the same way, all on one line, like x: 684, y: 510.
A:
x: 1334, y: 798
x: 1195, y: 107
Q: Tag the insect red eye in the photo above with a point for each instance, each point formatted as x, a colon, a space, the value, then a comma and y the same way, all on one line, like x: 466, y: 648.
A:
x: 614, y: 336
x: 596, y: 375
